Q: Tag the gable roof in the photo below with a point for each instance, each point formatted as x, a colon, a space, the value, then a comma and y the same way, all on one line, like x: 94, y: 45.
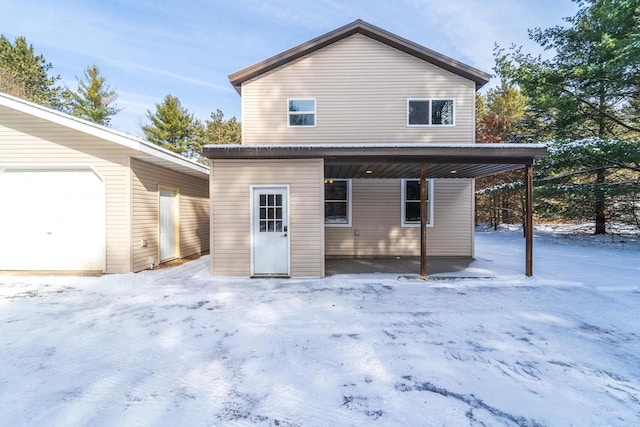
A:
x: 151, y: 153
x: 360, y: 27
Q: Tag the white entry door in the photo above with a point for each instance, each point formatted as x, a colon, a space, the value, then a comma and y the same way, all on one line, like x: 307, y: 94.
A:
x: 270, y: 232
x: 168, y: 213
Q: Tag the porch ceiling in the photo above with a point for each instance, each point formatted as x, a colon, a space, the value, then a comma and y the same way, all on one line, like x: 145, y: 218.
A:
x: 393, y: 160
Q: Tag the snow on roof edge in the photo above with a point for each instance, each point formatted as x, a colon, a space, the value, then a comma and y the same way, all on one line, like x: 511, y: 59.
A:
x: 383, y: 145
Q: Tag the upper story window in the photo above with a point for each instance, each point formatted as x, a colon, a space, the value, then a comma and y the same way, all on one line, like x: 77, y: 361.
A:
x: 301, y: 111
x: 429, y: 112
x: 337, y: 202
x: 411, y: 203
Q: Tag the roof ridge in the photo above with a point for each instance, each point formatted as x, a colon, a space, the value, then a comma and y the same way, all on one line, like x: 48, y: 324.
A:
x: 368, y: 30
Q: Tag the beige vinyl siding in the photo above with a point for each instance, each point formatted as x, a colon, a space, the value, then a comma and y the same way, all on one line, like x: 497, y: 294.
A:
x: 361, y: 87
x: 29, y: 140
x: 231, y: 182
x: 193, y: 196
x: 377, y: 217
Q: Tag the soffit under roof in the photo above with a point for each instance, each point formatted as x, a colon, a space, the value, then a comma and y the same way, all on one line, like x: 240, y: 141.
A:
x: 360, y: 27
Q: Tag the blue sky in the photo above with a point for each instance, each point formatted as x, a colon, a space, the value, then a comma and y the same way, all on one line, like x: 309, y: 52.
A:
x: 150, y: 48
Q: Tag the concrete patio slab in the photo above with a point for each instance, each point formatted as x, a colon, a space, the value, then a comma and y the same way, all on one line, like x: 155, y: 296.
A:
x: 409, y: 266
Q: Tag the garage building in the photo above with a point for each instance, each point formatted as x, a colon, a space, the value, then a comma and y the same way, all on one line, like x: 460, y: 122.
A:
x: 81, y: 197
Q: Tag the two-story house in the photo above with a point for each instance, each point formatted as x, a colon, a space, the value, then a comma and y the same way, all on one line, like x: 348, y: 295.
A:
x: 358, y: 143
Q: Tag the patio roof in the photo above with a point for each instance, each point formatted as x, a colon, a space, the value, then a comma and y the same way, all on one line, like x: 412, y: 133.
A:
x: 394, y: 160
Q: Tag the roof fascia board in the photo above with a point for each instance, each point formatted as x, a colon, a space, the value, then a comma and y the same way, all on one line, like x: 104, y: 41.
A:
x: 371, y: 31
x: 98, y: 131
x: 479, y: 77
x: 467, y: 153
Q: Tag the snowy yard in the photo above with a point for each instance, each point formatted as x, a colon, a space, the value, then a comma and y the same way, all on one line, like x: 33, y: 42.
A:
x: 174, y: 347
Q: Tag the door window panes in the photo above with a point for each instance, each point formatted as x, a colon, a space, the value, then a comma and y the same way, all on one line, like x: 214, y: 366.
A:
x: 271, y: 213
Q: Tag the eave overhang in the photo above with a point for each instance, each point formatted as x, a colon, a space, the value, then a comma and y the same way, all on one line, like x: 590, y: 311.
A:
x: 394, y: 160
x: 359, y: 27
x: 144, y: 150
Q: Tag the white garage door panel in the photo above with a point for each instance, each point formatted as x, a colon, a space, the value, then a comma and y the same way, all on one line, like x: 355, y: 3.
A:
x: 52, y: 219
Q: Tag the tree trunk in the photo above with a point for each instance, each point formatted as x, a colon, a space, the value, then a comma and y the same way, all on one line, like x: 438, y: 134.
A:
x: 601, y: 177
x: 494, y: 211
x: 601, y: 218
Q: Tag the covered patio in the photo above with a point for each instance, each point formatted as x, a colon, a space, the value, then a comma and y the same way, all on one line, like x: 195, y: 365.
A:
x: 405, y: 160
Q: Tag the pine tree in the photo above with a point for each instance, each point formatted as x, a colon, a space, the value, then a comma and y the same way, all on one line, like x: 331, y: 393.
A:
x: 589, y: 89
x: 221, y: 131
x: 26, y: 75
x: 568, y: 171
x: 93, y: 99
x: 174, y: 128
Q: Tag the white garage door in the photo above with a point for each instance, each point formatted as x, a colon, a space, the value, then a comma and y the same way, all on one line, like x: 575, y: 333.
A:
x: 51, y: 219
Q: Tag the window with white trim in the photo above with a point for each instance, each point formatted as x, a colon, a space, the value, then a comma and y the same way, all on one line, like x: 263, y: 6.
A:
x: 411, y: 203
x: 430, y: 112
x: 301, y: 112
x: 337, y: 202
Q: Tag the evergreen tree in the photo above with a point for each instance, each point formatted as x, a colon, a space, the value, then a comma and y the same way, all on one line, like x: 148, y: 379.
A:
x: 220, y: 131
x: 93, y: 99
x: 26, y: 75
x: 586, y: 88
x: 9, y: 84
x: 589, y: 89
x: 568, y: 176
x: 174, y: 128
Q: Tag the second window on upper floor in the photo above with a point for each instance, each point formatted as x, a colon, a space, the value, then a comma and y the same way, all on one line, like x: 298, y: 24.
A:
x: 429, y: 112
x: 301, y: 112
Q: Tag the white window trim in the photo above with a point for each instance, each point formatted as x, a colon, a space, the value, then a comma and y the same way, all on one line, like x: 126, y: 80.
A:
x: 314, y: 112
x: 349, y: 204
x: 430, y: 101
x: 403, y: 192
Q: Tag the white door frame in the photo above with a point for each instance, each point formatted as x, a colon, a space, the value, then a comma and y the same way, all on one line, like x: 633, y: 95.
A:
x: 252, y: 189
x: 176, y: 216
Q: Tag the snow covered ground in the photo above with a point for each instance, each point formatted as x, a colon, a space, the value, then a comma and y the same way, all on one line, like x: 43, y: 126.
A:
x: 174, y: 347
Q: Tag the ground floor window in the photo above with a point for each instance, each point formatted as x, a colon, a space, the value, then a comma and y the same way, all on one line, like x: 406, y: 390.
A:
x: 411, y: 203
x: 337, y: 202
